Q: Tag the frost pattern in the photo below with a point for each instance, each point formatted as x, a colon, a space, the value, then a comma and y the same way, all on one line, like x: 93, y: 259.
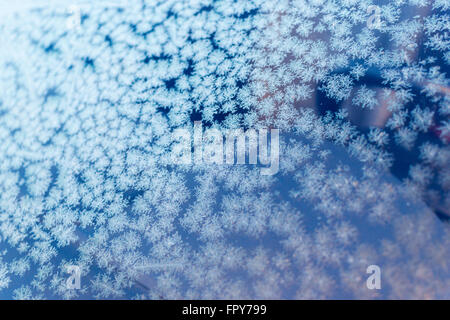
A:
x: 85, y: 122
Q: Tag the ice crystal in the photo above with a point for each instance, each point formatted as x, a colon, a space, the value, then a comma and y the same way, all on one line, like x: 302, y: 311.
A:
x: 90, y: 97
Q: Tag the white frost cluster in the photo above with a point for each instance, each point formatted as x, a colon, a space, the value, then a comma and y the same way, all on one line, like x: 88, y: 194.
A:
x: 86, y: 115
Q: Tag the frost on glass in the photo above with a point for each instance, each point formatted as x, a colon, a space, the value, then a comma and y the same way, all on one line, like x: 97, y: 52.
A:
x: 90, y: 95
